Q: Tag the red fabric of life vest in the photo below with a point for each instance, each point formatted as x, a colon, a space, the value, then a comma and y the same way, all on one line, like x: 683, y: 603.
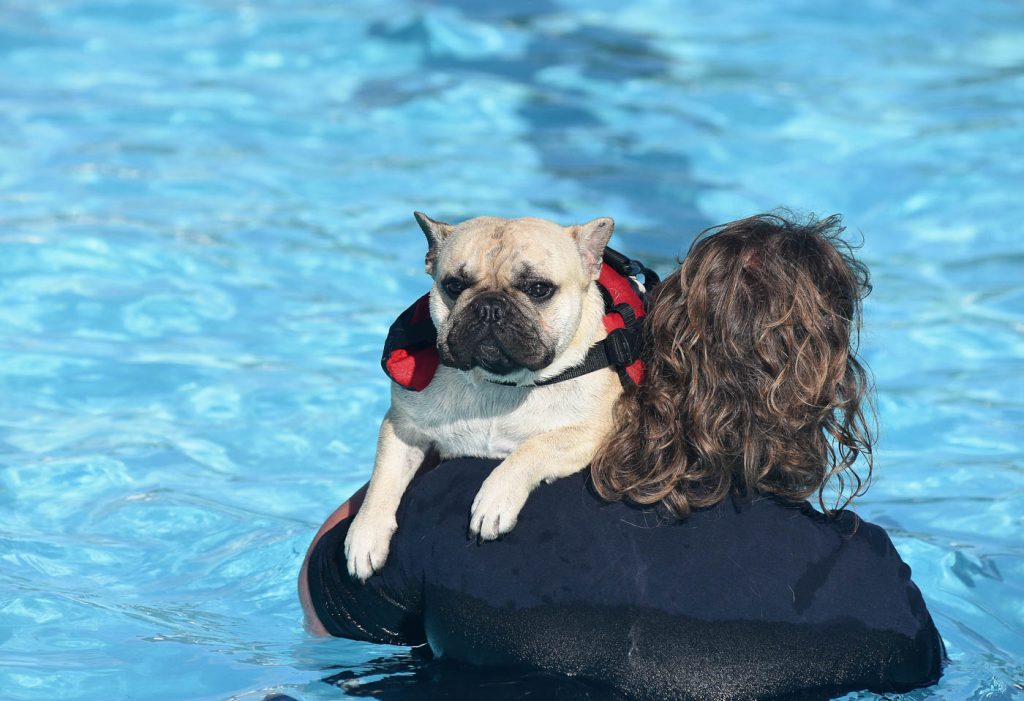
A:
x: 621, y: 291
x: 414, y: 368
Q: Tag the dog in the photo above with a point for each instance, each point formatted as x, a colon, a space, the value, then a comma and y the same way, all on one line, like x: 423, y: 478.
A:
x: 515, y: 302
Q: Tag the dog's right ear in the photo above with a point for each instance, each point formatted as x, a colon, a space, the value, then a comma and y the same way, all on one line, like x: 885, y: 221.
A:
x: 436, y: 232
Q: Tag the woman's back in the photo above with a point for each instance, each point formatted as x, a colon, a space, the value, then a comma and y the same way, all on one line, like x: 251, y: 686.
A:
x: 742, y: 600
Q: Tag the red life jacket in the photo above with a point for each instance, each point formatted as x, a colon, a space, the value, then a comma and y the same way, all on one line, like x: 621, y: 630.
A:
x: 410, y: 351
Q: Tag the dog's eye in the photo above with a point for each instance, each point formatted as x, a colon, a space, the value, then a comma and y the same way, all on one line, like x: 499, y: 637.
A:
x: 540, y: 290
x: 453, y: 286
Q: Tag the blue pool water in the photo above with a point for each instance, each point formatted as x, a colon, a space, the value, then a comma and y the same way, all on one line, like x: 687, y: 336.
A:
x: 205, y: 230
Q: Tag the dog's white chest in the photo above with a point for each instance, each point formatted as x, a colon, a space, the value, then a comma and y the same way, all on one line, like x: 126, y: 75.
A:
x: 486, y: 438
x: 487, y: 420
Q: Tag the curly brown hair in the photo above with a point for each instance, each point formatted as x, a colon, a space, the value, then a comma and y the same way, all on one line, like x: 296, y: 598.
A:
x: 752, y: 378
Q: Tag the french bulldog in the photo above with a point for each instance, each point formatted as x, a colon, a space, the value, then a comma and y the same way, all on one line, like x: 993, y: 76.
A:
x: 514, y: 302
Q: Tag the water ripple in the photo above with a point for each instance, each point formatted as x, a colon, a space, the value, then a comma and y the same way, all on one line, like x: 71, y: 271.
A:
x: 205, y: 232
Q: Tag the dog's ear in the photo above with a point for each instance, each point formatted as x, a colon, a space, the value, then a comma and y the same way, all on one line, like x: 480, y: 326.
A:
x: 436, y: 232
x: 591, y: 238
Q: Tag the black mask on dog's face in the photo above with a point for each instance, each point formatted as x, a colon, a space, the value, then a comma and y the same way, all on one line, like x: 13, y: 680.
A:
x: 509, y: 293
x: 494, y: 332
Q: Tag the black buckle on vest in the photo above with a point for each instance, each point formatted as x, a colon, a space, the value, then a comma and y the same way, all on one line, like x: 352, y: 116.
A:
x: 626, y: 312
x: 622, y: 346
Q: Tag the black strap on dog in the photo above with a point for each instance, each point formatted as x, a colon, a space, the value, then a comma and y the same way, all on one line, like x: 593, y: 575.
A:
x: 618, y: 349
x: 622, y: 346
x: 410, y: 354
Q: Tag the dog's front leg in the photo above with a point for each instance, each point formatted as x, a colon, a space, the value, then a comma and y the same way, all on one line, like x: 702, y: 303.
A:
x: 543, y: 458
x: 399, y: 453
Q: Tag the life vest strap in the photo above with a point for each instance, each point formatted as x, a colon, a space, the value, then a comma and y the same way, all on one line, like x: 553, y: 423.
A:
x: 410, y: 353
x: 619, y: 349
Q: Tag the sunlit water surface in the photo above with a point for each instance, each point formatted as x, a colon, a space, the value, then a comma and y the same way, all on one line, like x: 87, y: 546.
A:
x: 205, y: 228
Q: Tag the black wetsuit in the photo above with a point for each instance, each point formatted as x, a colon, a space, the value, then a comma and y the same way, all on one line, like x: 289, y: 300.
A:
x: 755, y: 599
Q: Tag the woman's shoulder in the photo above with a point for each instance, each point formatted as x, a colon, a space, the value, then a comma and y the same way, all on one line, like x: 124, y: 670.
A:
x: 761, y: 517
x: 763, y: 527
x: 759, y: 567
x: 844, y: 531
x: 844, y: 525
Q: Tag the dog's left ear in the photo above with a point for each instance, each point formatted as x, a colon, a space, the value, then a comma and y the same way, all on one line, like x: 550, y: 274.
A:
x: 591, y: 238
x: 436, y: 232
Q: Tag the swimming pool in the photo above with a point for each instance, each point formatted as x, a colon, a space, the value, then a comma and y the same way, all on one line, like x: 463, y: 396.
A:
x: 205, y: 218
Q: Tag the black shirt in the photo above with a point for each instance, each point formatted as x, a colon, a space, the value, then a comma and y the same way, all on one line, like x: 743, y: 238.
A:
x: 753, y: 599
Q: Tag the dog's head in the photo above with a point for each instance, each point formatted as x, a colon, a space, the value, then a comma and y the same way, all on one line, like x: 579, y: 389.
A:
x: 508, y: 293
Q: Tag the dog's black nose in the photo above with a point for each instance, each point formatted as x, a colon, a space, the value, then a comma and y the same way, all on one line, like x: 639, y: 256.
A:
x: 490, y: 308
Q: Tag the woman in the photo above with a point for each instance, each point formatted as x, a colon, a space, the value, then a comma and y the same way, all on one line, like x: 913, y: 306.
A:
x: 687, y: 563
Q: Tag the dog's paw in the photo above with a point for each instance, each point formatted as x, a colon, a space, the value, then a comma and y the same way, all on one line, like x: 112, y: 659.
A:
x: 367, y: 545
x: 497, y: 505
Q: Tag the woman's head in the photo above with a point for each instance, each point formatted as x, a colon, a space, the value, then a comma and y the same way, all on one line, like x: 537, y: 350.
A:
x: 752, y: 379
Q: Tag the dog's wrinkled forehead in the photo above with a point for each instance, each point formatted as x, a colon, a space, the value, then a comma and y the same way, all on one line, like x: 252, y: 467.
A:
x: 501, y: 251
x: 506, y: 248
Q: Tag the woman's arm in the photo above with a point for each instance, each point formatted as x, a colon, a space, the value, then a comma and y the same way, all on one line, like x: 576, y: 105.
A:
x: 759, y: 598
x: 349, y: 508
x: 346, y: 510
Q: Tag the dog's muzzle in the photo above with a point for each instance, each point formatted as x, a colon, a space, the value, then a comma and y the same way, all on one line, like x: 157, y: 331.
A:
x: 493, y: 334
